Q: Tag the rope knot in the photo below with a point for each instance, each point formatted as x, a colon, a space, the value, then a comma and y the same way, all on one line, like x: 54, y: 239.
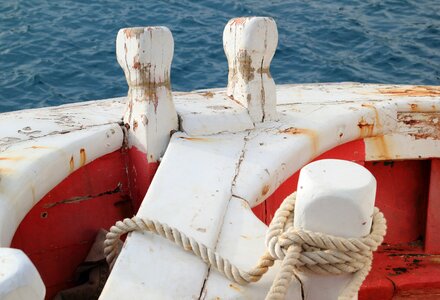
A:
x: 297, y: 249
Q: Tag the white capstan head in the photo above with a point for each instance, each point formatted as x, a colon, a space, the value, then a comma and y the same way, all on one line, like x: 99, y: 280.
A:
x: 335, y: 197
x: 145, y: 54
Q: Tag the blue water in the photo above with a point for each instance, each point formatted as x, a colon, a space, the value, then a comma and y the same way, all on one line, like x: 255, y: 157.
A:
x: 60, y: 51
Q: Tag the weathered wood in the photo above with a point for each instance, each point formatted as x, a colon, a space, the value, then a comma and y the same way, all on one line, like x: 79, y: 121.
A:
x: 145, y: 55
x: 250, y: 44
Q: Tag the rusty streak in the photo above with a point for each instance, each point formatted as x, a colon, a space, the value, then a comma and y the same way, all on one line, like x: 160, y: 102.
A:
x: 83, y: 198
x: 82, y: 157
x: 415, y: 91
x: 11, y: 158
x: 309, y: 132
x: 72, y: 164
x: 365, y: 127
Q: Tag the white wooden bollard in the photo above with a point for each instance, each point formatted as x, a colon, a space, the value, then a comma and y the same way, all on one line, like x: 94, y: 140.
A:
x: 250, y: 45
x: 145, y: 55
x: 19, y: 279
x: 335, y: 197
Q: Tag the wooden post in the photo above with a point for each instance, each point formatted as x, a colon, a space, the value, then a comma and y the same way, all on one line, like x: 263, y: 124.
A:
x: 250, y: 44
x: 334, y: 197
x: 145, y: 55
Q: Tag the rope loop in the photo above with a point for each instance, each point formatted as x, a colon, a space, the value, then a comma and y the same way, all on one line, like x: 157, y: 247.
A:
x: 299, y: 250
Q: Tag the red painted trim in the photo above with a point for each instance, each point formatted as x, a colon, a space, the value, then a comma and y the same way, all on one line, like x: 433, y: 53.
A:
x: 402, y: 195
x: 140, y: 174
x: 60, y: 229
x: 432, y: 241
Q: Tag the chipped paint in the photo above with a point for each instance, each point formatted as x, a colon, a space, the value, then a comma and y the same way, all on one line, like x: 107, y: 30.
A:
x: 414, y: 91
x: 208, y: 94
x: 238, y: 21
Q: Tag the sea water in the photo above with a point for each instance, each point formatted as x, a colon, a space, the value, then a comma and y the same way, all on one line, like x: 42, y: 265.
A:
x: 61, y: 51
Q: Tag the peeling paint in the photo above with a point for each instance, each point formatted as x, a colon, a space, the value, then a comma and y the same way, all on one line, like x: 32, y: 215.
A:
x: 415, y: 91
x: 208, y: 94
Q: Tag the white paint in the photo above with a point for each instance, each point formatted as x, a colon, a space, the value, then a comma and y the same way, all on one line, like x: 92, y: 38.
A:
x: 19, y: 279
x: 145, y: 55
x: 207, y: 112
x: 275, y: 151
x: 249, y: 45
x: 29, y: 170
x: 190, y: 191
x: 242, y: 241
x: 334, y: 197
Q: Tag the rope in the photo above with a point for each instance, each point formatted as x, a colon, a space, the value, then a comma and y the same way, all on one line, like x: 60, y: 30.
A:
x: 298, y: 249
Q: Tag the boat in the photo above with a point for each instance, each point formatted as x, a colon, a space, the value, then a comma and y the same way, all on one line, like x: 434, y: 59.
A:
x: 212, y: 167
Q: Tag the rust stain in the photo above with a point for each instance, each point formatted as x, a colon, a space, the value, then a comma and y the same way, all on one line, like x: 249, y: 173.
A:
x: 82, y: 157
x: 421, y: 125
x: 415, y: 91
x: 366, y: 129
x: 381, y: 147
x: 245, y: 66
x: 137, y: 65
x: 196, y: 139
x: 135, y: 125
x: 72, y: 164
x: 239, y: 21
x: 377, y: 122
x: 234, y: 287
x: 16, y: 158
x: 131, y: 32
x: 208, y: 94
x: 39, y: 147
x: 413, y: 106
x: 265, y: 190
x: 6, y: 170
x: 309, y: 132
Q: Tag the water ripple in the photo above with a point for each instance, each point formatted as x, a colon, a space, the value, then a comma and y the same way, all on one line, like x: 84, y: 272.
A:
x: 54, y: 52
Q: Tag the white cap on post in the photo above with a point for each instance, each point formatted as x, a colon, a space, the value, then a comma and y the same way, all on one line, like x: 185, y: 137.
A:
x: 145, y: 55
x: 335, y: 197
x: 250, y: 45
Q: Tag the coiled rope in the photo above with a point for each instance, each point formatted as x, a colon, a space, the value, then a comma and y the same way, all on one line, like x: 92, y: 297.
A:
x: 297, y: 249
